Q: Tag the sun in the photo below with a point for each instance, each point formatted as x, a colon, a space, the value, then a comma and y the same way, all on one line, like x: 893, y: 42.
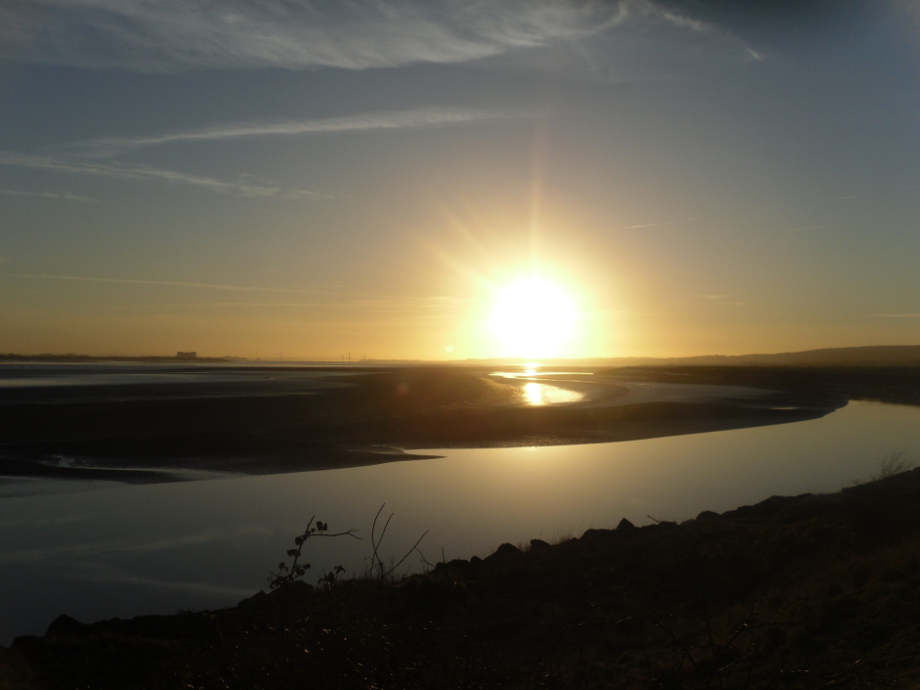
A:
x: 533, y: 317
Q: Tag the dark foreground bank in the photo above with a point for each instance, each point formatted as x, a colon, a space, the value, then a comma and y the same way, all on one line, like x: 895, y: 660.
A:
x: 798, y: 592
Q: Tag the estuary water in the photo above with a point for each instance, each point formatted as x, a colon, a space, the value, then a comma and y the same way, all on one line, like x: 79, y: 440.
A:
x: 110, y: 550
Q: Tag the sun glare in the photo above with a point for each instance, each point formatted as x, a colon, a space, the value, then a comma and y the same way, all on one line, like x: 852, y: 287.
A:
x: 533, y: 317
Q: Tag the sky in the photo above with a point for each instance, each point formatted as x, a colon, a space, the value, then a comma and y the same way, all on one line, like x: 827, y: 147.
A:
x: 314, y: 180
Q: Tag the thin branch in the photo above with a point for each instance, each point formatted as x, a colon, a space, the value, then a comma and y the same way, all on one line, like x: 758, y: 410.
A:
x: 374, y: 523
x: 376, y: 555
x: 408, y: 553
x: 375, y: 544
x: 427, y: 563
x: 347, y: 533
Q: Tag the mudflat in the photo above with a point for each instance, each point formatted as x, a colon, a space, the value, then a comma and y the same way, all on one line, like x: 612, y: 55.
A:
x: 267, y: 420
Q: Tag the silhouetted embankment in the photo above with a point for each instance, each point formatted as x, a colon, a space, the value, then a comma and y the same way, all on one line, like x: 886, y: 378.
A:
x: 798, y: 592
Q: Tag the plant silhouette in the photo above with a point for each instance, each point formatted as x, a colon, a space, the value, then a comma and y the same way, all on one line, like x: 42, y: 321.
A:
x: 288, y: 573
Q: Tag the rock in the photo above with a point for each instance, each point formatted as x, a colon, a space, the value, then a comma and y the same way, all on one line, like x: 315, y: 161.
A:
x: 707, y: 515
x: 454, y: 564
x: 504, y: 551
x: 538, y: 545
x: 625, y: 524
x: 254, y: 601
x: 64, y: 625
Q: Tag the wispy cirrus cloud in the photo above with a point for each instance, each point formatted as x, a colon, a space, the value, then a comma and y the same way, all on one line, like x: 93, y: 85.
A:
x: 158, y: 283
x: 63, y: 196
x: 393, y: 120
x: 644, y: 226
x: 387, y: 304
x: 292, y: 34
x: 722, y: 298
x: 661, y: 224
x: 684, y: 18
x: 763, y: 26
x: 83, y: 158
x: 124, y: 172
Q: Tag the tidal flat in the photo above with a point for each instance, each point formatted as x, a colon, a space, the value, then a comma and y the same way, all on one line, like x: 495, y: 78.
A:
x: 151, y: 423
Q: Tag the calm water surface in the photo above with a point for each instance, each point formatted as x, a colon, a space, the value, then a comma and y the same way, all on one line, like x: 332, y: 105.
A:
x: 116, y: 550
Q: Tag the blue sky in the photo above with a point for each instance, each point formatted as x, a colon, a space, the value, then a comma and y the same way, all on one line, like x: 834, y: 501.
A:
x: 303, y: 179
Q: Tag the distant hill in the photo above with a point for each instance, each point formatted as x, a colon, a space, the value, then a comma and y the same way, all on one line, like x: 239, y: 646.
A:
x: 866, y: 356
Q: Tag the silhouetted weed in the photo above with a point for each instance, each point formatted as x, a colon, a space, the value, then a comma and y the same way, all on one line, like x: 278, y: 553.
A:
x: 289, y: 573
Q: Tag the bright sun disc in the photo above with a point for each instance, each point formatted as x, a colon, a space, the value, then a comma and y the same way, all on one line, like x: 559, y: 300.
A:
x: 533, y: 317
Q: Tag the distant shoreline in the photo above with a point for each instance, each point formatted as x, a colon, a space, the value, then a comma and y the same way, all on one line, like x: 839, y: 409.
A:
x: 6, y: 358
x: 852, y: 356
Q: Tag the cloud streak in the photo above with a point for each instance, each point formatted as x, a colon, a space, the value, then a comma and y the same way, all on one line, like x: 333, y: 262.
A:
x: 662, y: 224
x: 121, y: 172
x: 63, y: 196
x: 767, y: 24
x: 292, y: 34
x: 406, y: 119
x: 721, y: 298
x: 158, y: 283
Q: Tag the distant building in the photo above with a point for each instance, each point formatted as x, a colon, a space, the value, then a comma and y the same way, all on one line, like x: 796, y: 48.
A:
x: 186, y: 355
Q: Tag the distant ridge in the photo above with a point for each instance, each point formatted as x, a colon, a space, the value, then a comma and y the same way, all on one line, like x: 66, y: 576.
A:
x: 860, y: 356
x: 866, y: 356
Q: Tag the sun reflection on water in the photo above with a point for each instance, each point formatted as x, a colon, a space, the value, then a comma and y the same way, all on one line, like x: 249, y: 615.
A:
x: 533, y: 393
x: 536, y: 394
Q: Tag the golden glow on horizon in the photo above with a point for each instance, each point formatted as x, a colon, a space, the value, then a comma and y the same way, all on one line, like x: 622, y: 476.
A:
x: 533, y: 317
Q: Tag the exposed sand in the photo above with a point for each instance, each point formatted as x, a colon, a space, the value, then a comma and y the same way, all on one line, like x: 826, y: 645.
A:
x: 269, y: 421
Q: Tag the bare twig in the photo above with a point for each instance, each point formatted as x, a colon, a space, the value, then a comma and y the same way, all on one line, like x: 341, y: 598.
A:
x: 376, y: 561
x: 377, y: 565
x: 428, y: 564
x: 353, y: 533
x: 408, y: 553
